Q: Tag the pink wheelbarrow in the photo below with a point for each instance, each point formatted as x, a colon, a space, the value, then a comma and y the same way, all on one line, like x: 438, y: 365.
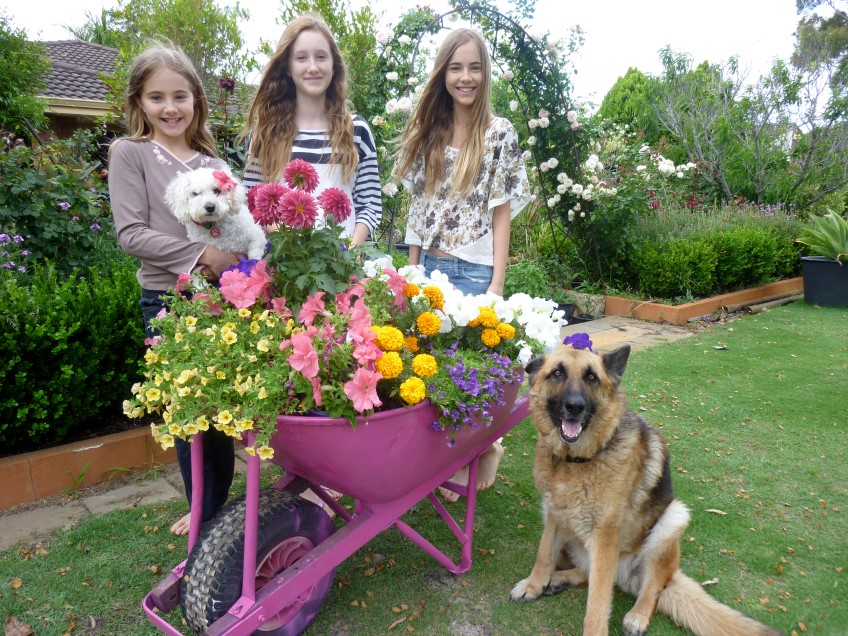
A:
x: 266, y: 563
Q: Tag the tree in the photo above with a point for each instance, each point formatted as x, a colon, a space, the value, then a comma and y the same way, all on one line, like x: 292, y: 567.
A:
x: 628, y: 103
x: 98, y: 30
x: 23, y: 68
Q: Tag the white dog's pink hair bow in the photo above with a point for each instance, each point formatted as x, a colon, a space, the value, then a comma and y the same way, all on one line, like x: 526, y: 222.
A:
x: 225, y: 181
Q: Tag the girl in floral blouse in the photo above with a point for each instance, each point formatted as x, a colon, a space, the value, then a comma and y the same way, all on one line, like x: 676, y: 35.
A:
x: 463, y: 167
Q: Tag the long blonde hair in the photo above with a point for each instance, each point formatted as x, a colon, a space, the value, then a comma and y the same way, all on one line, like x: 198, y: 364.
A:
x: 155, y: 58
x: 430, y: 127
x: 271, y: 119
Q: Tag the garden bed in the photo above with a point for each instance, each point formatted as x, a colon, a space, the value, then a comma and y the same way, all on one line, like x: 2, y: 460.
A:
x: 682, y: 314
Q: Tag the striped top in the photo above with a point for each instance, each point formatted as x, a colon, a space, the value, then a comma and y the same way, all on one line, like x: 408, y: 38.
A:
x: 365, y: 194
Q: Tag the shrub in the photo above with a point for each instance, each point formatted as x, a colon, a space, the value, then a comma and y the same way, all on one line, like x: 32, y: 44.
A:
x: 71, y: 349
x: 675, y: 267
x: 526, y: 276
x: 746, y: 257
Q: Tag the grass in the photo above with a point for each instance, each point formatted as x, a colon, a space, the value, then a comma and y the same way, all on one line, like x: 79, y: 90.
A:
x: 754, y: 412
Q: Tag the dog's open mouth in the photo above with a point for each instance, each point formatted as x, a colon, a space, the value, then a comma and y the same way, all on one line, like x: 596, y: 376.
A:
x: 570, y: 430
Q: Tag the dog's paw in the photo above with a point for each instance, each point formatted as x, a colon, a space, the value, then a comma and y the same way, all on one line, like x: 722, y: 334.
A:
x: 634, y: 625
x: 526, y: 591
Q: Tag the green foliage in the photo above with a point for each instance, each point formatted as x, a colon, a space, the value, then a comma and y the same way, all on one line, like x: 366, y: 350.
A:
x: 678, y: 267
x: 70, y: 350
x: 56, y: 199
x: 628, y: 103
x: 827, y: 236
x: 23, y: 67
x: 526, y: 276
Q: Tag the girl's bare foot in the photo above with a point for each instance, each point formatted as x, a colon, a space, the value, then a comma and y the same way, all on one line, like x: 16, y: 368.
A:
x: 181, y: 526
x: 486, y: 473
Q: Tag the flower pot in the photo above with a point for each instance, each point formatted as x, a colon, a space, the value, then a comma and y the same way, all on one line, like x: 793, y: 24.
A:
x: 383, y: 457
x: 825, y: 281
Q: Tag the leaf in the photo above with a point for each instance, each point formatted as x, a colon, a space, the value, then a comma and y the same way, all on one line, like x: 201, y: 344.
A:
x: 397, y: 622
x: 16, y: 583
x: 716, y: 511
x: 14, y: 627
x: 710, y: 582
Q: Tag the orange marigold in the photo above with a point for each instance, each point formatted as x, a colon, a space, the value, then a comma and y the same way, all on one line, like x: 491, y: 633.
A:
x: 429, y: 323
x: 411, y: 343
x: 435, y: 296
x: 490, y: 337
x: 411, y: 290
x: 488, y: 317
x: 505, y: 330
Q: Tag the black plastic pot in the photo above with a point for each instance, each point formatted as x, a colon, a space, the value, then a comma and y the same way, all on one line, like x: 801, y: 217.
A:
x: 825, y: 281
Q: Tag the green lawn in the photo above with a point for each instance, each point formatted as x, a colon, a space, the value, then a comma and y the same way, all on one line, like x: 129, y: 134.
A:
x: 755, y: 413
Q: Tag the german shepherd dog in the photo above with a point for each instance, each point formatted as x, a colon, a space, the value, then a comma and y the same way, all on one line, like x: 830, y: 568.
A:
x: 608, y: 503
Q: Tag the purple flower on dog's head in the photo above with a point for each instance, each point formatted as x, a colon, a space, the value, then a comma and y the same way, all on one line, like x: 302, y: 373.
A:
x: 579, y: 341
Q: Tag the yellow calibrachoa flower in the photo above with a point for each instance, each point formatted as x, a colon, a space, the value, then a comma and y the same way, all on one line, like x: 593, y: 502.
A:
x: 244, y: 312
x: 412, y: 391
x: 429, y: 323
x: 411, y: 343
x: 390, y: 365
x: 391, y: 338
x: 224, y: 417
x: 254, y: 327
x: 166, y: 441
x: 178, y: 337
x: 174, y: 429
x: 263, y: 345
x: 190, y: 321
x: 424, y: 365
x: 411, y: 290
x: 151, y: 357
x: 190, y: 429
x: 228, y: 336
x: 202, y: 423
x: 152, y: 395
x: 184, y: 391
x: 435, y: 296
x: 490, y: 337
x: 265, y: 452
x: 505, y: 331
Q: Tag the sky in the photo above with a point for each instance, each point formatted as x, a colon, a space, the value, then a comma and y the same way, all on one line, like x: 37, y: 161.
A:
x: 619, y: 34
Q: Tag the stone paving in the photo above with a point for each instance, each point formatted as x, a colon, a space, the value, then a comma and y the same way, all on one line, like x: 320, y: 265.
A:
x: 38, y: 522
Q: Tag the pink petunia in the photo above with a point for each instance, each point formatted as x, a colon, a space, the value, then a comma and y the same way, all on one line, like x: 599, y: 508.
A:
x: 299, y: 209
x: 316, y: 391
x: 183, y: 281
x: 362, y: 389
x: 314, y: 306
x: 301, y: 174
x: 204, y: 303
x: 243, y: 290
x: 303, y: 357
x: 360, y: 316
x: 396, y: 283
x: 268, y: 203
x: 278, y: 306
x: 336, y: 204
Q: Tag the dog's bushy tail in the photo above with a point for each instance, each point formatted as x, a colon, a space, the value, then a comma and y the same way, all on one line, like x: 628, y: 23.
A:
x: 689, y: 605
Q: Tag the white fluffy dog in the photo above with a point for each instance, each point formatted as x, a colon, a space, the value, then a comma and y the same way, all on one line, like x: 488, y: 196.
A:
x: 213, y: 207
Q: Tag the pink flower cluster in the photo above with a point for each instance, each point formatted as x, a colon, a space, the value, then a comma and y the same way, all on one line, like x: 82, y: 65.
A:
x: 293, y: 204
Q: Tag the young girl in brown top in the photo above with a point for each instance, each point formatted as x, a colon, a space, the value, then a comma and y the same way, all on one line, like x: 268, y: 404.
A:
x: 166, y: 113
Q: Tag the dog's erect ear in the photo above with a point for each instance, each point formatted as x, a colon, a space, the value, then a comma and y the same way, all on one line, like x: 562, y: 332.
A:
x: 533, y: 367
x: 615, y: 362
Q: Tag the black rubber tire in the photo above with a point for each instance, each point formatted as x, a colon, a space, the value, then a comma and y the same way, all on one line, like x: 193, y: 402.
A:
x: 213, y: 574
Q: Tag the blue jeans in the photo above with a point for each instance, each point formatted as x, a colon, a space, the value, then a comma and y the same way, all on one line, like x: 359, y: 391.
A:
x: 469, y: 278
x: 218, y: 450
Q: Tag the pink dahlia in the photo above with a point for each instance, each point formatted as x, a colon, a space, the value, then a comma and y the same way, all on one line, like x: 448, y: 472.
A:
x: 298, y: 209
x: 336, y: 204
x: 268, y: 203
x: 251, y: 198
x: 301, y: 174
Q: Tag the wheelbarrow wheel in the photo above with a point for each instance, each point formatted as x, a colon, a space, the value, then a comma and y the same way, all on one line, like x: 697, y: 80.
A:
x: 288, y: 528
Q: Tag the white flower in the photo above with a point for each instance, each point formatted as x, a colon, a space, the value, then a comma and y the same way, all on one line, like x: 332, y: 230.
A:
x: 571, y: 116
x: 405, y: 39
x: 412, y: 81
x: 680, y: 175
x: 644, y: 150
x: 419, y: 90
x: 525, y: 156
x: 392, y: 76
x: 577, y: 189
x: 552, y: 202
x: 640, y: 168
x: 582, y: 215
x: 571, y: 215
x: 404, y: 104
x: 513, y: 105
x: 544, y: 122
x: 508, y: 75
x: 531, y: 141
x: 575, y: 126
x: 382, y: 37
x: 587, y: 194
x: 390, y: 189
x: 561, y: 177
x: 553, y: 162
x: 544, y: 167
x: 532, y: 123
x: 392, y: 106
x: 562, y: 188
x: 379, y: 120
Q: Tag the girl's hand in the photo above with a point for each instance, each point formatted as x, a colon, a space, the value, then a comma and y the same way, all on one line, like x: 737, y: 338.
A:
x: 216, y: 261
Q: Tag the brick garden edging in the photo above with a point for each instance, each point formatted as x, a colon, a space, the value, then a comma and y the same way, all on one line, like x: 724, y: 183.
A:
x: 53, y: 471
x: 681, y: 314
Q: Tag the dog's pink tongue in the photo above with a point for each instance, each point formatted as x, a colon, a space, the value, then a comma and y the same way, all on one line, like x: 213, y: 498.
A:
x: 571, y: 428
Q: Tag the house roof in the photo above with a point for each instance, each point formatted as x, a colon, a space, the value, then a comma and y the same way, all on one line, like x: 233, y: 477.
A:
x: 76, y: 69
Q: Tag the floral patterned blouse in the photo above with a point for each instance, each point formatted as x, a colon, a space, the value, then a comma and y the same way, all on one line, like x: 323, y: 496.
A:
x: 461, y: 225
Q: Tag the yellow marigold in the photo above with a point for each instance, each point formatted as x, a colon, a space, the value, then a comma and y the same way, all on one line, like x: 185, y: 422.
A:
x: 390, y: 365
x: 424, y: 365
x: 411, y: 290
x: 377, y: 329
x: 391, y: 338
x: 506, y: 331
x: 412, y: 343
x: 435, y: 296
x: 488, y: 318
x: 429, y: 323
x: 412, y: 391
x: 490, y: 337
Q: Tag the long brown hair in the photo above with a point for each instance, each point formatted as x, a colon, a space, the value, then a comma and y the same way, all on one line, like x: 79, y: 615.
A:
x: 271, y: 119
x: 430, y: 127
x: 152, y: 59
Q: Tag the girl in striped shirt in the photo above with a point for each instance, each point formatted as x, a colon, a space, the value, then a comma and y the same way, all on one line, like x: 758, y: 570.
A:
x: 300, y: 112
